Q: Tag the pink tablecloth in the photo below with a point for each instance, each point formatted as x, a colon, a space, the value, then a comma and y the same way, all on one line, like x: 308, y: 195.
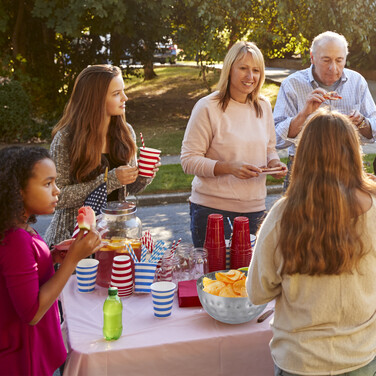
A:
x: 190, y: 342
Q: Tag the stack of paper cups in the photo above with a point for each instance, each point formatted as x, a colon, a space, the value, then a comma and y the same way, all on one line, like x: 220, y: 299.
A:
x: 148, y: 158
x: 143, y: 276
x: 121, y: 276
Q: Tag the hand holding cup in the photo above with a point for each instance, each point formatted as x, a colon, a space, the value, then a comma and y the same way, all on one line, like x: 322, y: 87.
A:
x: 126, y: 174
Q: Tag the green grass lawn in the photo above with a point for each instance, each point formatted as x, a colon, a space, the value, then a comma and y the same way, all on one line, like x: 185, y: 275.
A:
x: 171, y: 178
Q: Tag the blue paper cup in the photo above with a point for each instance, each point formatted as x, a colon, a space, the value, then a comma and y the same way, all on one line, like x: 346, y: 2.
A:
x: 143, y: 276
x: 86, y: 273
x: 253, y: 241
x: 163, y: 298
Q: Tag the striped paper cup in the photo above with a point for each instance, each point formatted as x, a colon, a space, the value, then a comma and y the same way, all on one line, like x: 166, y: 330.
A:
x: 86, y: 273
x: 163, y: 298
x: 121, y: 275
x: 143, y: 276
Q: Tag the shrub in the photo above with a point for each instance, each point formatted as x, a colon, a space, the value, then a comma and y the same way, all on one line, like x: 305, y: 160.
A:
x: 15, y: 120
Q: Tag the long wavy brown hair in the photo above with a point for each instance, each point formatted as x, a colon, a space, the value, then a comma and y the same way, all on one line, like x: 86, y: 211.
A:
x: 318, y: 226
x: 82, y: 118
x: 235, y: 53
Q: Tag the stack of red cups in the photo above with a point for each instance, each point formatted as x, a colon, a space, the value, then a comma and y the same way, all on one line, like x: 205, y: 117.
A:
x: 241, y: 250
x: 215, y: 243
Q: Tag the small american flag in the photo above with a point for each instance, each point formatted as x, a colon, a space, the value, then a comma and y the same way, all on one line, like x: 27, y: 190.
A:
x: 97, y: 200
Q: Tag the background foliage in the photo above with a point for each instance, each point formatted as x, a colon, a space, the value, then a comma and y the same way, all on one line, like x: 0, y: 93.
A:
x: 45, y: 44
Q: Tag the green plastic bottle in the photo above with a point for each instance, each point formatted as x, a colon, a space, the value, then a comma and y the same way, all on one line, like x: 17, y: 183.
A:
x: 112, y: 315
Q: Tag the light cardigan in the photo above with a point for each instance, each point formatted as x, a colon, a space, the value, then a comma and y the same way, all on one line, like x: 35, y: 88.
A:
x: 323, y: 325
x: 72, y: 195
x: 234, y: 135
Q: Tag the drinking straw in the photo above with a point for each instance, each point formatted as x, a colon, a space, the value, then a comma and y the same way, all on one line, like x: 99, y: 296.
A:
x: 143, y: 253
x: 176, y: 245
x: 131, y: 252
x: 142, y: 140
x: 229, y: 222
x: 156, y: 255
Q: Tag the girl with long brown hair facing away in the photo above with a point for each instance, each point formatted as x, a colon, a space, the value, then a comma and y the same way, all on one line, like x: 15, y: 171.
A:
x: 91, y: 136
x: 316, y: 256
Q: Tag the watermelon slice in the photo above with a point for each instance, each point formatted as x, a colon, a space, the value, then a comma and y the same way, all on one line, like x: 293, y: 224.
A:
x: 86, y: 218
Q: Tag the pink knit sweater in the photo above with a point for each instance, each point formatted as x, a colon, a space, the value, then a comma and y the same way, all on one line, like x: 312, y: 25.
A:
x: 234, y: 135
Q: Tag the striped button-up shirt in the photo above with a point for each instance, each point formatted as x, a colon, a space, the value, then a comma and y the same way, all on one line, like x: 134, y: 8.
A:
x: 353, y: 89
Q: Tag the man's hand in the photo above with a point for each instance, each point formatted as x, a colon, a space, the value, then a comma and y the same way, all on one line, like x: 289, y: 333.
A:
x: 313, y: 102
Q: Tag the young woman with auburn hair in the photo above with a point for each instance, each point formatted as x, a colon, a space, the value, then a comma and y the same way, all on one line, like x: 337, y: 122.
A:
x: 316, y: 256
x: 91, y: 136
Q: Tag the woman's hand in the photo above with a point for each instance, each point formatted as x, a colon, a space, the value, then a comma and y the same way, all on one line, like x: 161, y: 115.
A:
x: 240, y: 170
x: 156, y: 167
x: 126, y: 174
x: 278, y: 163
x: 84, y: 245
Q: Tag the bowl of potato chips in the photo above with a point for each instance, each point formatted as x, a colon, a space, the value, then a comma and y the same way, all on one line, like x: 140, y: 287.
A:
x: 224, y: 297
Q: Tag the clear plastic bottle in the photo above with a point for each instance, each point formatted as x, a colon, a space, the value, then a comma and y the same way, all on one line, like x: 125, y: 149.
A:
x: 112, y: 315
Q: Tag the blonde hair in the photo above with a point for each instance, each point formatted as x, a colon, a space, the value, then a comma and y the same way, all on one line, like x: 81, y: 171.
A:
x: 317, y: 230
x: 238, y: 51
x: 82, y: 118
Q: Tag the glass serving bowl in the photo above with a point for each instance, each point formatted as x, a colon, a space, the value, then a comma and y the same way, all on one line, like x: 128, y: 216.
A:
x: 227, y: 310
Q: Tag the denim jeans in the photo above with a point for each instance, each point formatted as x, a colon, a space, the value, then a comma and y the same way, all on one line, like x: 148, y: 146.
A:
x: 286, y: 182
x: 368, y: 370
x: 199, y: 217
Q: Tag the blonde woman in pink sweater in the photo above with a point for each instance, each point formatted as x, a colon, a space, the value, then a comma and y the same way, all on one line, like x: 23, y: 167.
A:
x: 229, y: 137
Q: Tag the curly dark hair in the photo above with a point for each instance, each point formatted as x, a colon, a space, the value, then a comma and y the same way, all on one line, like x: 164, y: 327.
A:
x: 16, y: 168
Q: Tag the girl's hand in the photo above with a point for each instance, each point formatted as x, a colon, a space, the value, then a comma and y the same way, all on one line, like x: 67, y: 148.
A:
x: 126, y: 174
x: 59, y: 251
x: 84, y: 245
x: 278, y: 163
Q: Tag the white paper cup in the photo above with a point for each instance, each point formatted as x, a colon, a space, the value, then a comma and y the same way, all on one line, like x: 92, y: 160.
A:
x: 86, y: 273
x: 163, y: 298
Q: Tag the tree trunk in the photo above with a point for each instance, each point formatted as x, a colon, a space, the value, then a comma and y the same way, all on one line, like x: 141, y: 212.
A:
x: 149, y: 73
x: 17, y: 28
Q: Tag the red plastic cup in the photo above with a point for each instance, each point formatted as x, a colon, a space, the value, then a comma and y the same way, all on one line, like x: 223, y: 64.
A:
x: 241, y: 249
x: 215, y: 243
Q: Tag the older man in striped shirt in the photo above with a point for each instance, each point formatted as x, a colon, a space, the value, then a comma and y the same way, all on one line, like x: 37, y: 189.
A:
x: 303, y: 92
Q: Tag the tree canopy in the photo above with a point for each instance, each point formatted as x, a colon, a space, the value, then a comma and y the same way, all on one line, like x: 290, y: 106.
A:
x: 45, y: 44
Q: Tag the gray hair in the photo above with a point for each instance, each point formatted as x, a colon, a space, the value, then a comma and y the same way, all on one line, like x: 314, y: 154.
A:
x: 326, y: 37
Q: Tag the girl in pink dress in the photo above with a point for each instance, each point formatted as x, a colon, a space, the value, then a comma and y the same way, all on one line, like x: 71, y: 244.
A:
x: 30, y: 337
